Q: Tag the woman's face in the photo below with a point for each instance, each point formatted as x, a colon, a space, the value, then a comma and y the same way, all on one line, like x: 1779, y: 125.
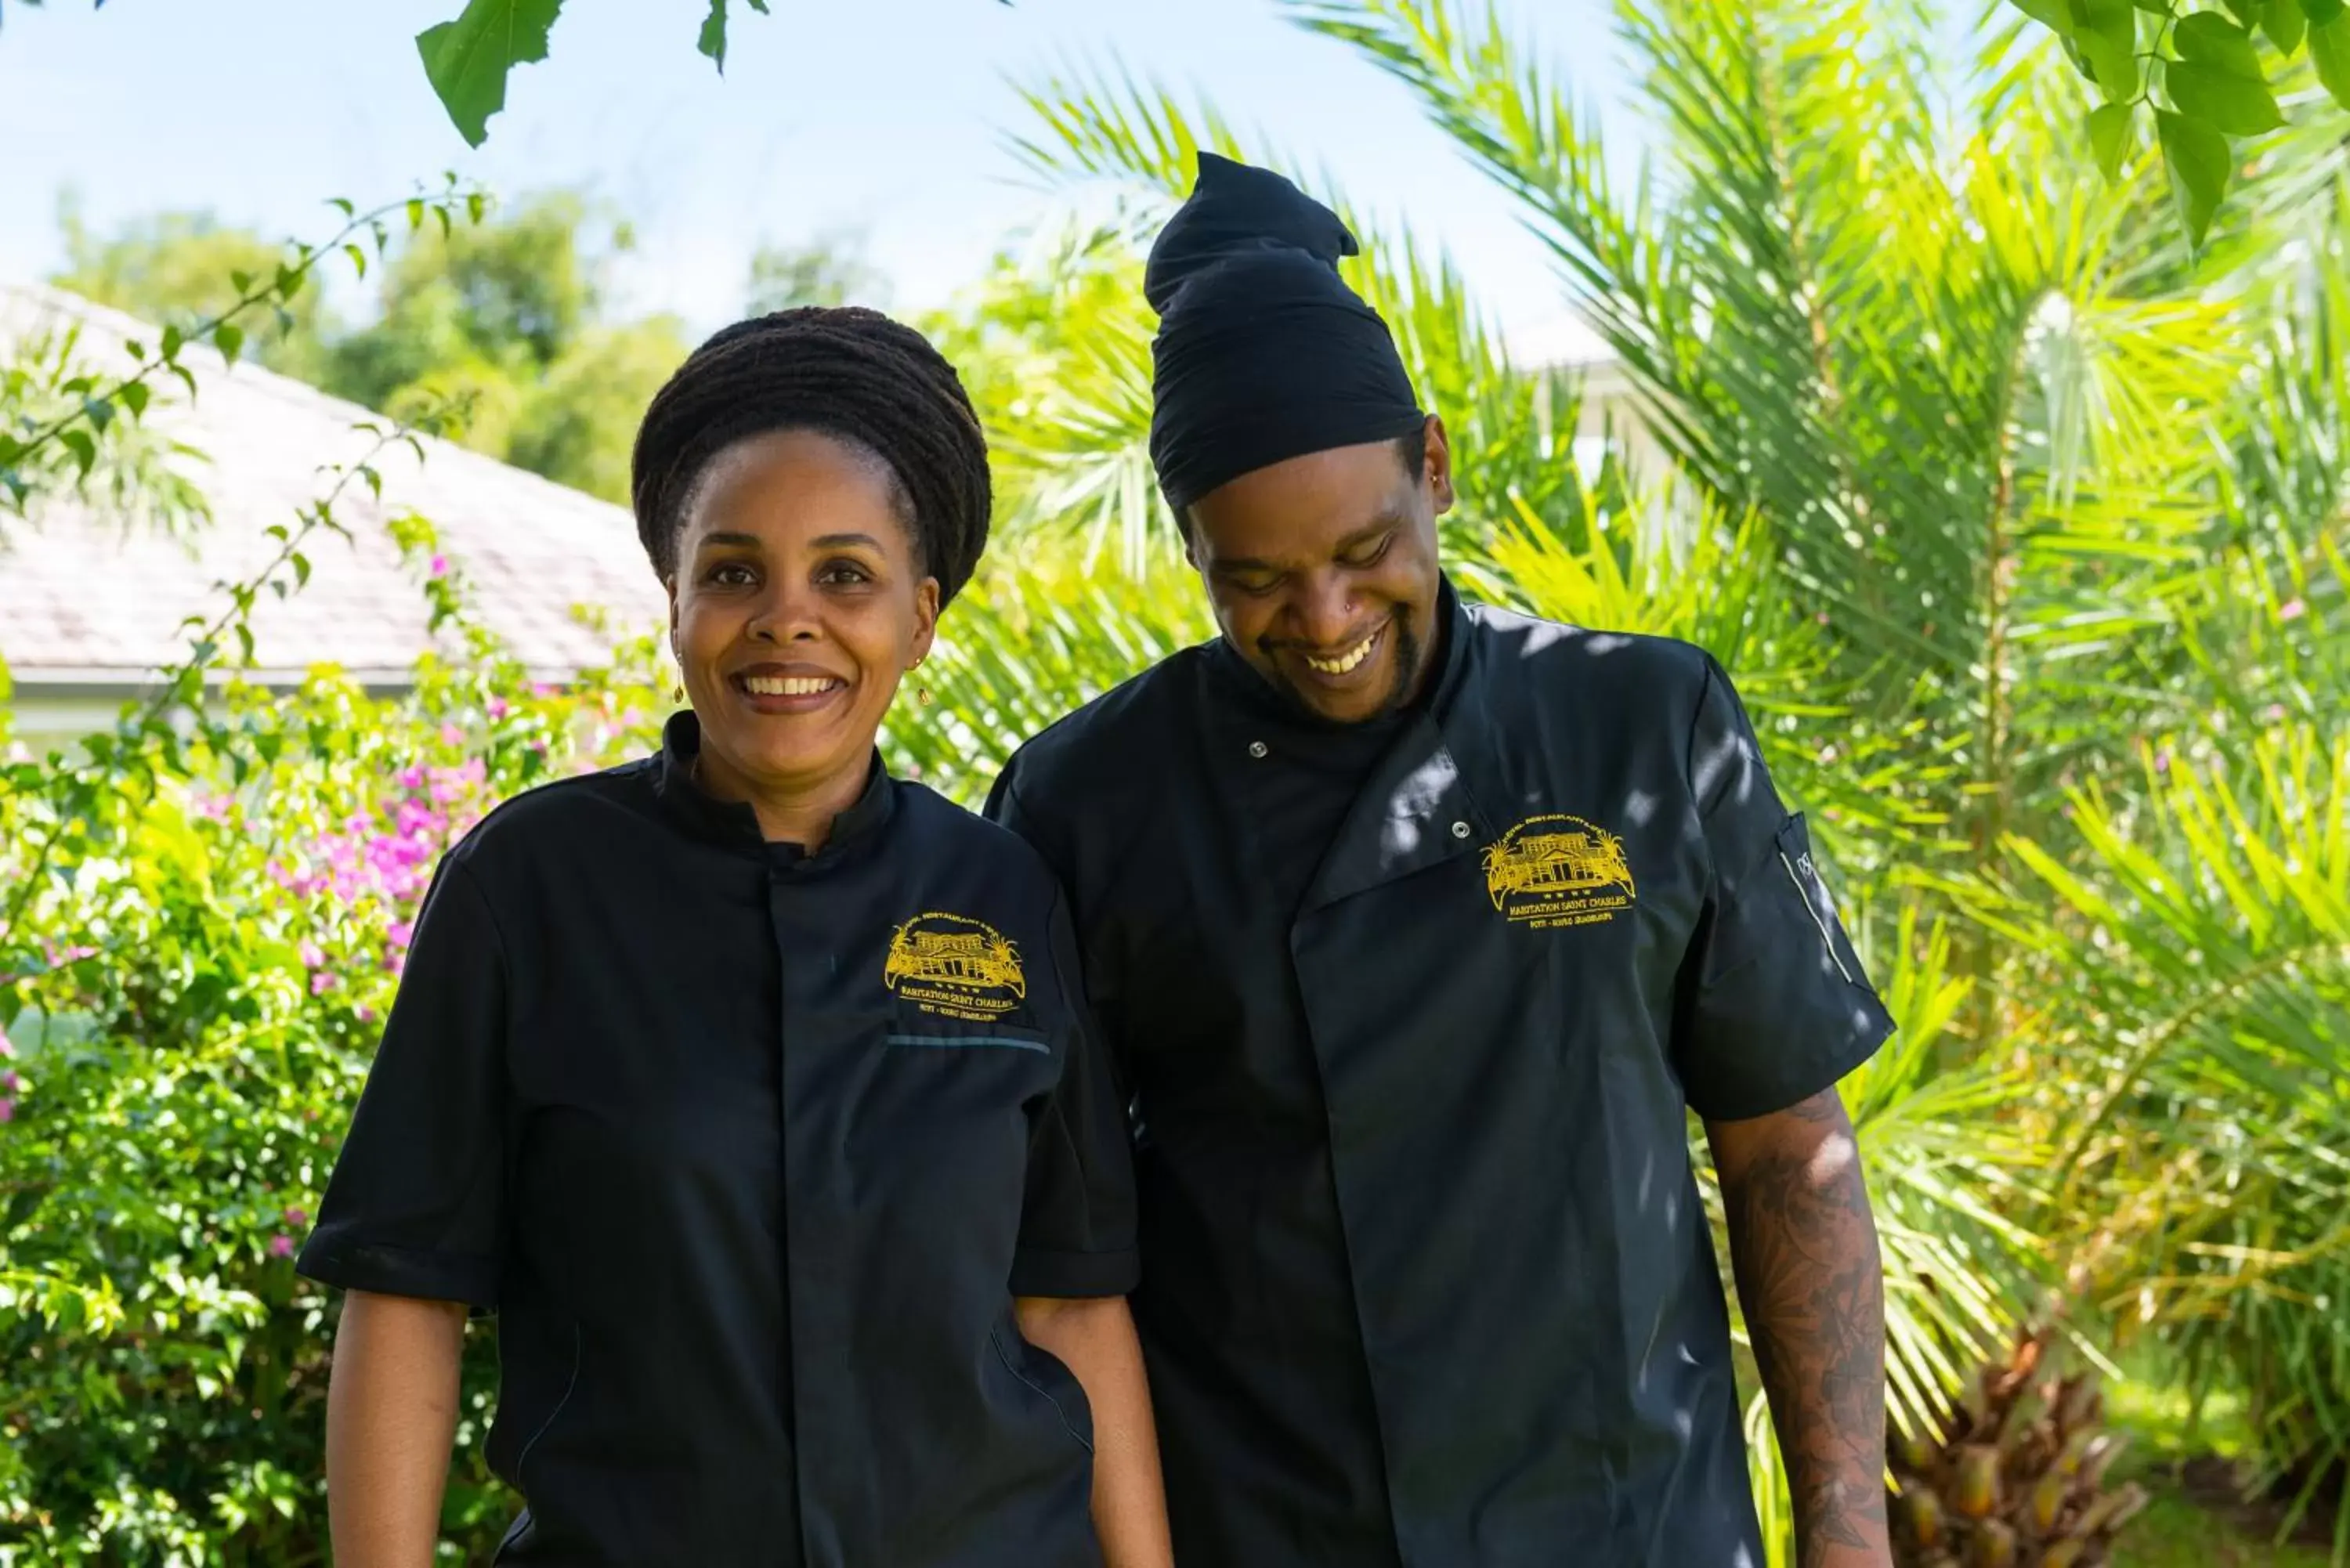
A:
x: 796, y: 607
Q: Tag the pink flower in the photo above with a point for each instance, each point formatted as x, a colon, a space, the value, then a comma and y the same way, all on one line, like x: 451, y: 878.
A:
x: 451, y: 736
x: 412, y: 778
x: 401, y: 933
x: 281, y: 1246
x: 295, y: 1219
x: 440, y: 567
x: 311, y: 957
x: 8, y: 1081
x: 321, y: 983
x: 2162, y: 761
x: 498, y: 709
x: 7, y: 1048
x: 7, y: 1110
x: 2292, y: 609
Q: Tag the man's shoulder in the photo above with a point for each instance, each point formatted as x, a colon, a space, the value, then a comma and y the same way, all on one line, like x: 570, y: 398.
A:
x: 1121, y: 736
x: 1529, y: 654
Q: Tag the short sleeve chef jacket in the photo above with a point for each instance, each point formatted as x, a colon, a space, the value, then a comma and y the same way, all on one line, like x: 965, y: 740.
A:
x: 1426, y: 1277
x: 750, y: 1151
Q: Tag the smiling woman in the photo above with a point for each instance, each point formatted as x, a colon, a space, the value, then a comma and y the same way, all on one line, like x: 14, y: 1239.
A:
x: 802, y: 596
x: 752, y: 1088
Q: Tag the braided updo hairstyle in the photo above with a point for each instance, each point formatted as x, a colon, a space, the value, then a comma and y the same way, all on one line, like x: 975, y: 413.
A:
x: 849, y: 373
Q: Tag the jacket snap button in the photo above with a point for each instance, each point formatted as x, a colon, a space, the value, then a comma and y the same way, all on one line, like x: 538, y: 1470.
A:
x: 1256, y: 748
x: 1459, y: 830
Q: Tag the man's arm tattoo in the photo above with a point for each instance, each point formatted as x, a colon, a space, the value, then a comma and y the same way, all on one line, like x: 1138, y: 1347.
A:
x: 1804, y: 1250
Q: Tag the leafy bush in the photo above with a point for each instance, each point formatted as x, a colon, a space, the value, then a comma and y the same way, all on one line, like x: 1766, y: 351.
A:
x: 207, y: 916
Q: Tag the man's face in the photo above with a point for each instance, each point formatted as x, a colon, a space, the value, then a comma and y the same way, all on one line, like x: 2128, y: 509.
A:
x: 1323, y: 572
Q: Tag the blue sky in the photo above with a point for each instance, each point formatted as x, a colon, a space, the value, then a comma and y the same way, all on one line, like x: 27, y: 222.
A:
x: 876, y: 116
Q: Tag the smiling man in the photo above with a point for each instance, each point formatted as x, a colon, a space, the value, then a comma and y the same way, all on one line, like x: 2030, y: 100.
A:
x: 1417, y: 930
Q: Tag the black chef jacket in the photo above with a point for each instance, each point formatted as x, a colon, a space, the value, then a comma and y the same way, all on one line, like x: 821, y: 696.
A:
x: 750, y: 1151
x: 1426, y: 1281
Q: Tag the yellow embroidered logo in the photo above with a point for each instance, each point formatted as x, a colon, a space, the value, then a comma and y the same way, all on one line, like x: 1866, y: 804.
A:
x: 1551, y: 871
x: 955, y: 967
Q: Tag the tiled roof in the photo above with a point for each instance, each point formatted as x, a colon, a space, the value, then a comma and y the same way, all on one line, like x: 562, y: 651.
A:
x: 84, y: 602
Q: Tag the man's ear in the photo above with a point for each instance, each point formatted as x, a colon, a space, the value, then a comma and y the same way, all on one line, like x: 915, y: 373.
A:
x: 1438, y: 463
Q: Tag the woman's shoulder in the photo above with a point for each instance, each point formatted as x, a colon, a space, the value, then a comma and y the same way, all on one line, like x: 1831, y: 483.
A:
x: 945, y: 832
x: 560, y: 815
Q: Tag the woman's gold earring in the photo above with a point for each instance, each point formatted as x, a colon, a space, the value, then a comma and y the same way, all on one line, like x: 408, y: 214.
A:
x: 923, y: 695
x: 677, y: 694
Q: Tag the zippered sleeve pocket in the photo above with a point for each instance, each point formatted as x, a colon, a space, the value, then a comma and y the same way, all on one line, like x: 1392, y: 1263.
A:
x: 1794, y: 848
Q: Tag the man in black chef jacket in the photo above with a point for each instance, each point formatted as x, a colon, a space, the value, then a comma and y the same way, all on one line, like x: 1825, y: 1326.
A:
x: 1417, y: 928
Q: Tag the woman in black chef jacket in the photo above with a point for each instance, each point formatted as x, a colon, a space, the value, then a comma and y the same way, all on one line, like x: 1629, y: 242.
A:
x: 749, y: 1087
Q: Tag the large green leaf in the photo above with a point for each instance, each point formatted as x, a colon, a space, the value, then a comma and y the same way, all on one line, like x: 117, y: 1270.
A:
x: 2217, y: 78
x: 713, y: 41
x: 2109, y: 135
x: 2200, y: 165
x: 2228, y: 104
x: 2329, y: 50
x: 2208, y: 38
x: 468, y: 59
x: 2105, y: 31
x: 2055, y: 14
x: 2283, y: 23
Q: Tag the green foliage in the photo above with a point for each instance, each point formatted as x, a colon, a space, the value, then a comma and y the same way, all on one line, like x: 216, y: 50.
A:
x: 2210, y: 67
x: 60, y: 422
x: 181, y: 268
x: 828, y: 271
x: 468, y: 59
x: 713, y: 41
x: 512, y: 291
x: 499, y: 326
x: 143, y: 478
x: 490, y: 329
x: 2208, y: 935
x: 577, y: 425
x: 171, y: 1119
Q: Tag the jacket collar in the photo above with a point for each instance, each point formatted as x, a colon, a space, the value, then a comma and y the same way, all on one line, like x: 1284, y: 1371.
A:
x: 1417, y: 807
x: 732, y: 824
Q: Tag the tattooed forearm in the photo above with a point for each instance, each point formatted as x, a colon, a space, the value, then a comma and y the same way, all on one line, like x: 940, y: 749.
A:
x: 1805, y: 1250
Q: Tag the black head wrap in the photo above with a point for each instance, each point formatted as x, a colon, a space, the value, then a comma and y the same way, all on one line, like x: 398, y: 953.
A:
x: 1264, y: 353
x: 851, y: 373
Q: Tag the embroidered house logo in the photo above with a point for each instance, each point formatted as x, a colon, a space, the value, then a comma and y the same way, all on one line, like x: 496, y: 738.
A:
x: 1551, y: 871
x: 955, y: 967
